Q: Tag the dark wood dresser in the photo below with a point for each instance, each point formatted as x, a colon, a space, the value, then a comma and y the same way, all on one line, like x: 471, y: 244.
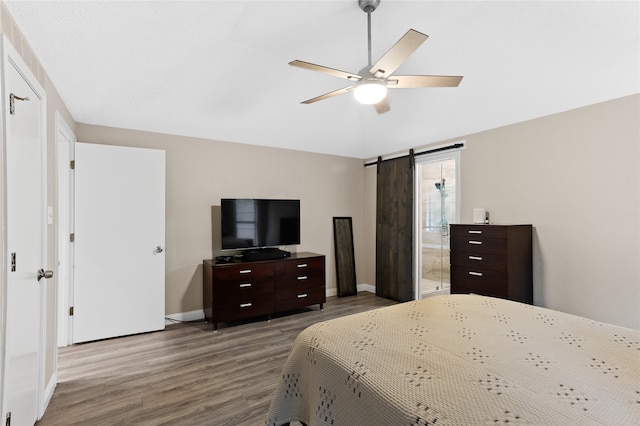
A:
x: 239, y: 290
x: 492, y: 260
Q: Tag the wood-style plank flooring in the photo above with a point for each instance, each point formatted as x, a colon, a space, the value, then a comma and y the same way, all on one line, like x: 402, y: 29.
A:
x: 186, y: 374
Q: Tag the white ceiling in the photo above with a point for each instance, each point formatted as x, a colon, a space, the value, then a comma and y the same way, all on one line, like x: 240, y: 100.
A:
x: 219, y: 69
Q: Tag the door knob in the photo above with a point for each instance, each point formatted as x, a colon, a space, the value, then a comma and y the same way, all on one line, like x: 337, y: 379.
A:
x: 159, y: 249
x: 44, y: 274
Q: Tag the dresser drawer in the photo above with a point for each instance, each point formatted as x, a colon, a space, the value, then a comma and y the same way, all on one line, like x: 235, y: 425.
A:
x: 479, y: 260
x: 243, y: 309
x: 226, y: 294
x: 289, y: 287
x: 286, y: 300
x: 479, y: 244
x: 489, y: 283
x: 243, y: 272
x: 487, y: 231
x: 311, y: 268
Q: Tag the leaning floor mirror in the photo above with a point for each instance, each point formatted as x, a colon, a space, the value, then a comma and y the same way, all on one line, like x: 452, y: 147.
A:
x: 344, y: 256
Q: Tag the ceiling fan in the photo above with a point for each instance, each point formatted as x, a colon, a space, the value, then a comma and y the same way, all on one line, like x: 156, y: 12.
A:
x: 370, y: 84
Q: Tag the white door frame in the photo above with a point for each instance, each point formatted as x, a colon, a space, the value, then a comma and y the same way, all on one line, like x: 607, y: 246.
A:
x: 11, y: 56
x: 65, y: 146
x: 417, y: 252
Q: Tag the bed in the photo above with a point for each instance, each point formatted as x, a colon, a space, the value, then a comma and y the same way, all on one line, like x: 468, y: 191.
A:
x: 460, y: 359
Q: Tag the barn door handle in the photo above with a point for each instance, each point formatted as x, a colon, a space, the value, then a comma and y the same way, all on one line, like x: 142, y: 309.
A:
x: 44, y: 274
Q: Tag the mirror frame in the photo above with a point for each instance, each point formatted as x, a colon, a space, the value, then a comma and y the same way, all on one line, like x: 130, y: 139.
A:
x: 344, y: 256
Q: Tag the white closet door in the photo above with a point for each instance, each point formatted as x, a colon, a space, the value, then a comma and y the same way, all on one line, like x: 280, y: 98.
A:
x: 26, y: 241
x: 119, y: 241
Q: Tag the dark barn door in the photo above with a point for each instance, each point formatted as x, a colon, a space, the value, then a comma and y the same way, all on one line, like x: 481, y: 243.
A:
x: 394, y: 228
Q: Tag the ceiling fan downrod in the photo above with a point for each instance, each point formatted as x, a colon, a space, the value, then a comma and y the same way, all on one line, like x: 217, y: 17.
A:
x: 369, y: 6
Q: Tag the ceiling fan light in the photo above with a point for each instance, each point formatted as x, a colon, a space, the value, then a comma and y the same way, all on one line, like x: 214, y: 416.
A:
x: 370, y: 92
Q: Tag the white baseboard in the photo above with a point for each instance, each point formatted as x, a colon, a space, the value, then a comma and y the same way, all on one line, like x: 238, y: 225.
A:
x: 198, y: 314
x: 367, y: 287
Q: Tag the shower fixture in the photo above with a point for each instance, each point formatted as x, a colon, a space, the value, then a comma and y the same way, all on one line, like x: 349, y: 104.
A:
x: 443, y: 216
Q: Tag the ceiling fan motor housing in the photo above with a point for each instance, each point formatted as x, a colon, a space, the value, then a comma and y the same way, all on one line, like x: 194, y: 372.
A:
x: 368, y: 6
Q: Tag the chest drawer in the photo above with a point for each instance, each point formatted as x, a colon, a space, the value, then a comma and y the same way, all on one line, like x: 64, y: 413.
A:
x: 479, y: 231
x: 479, y: 244
x: 490, y: 283
x: 479, y: 260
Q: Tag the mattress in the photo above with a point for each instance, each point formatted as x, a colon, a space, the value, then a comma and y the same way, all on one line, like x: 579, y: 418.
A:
x: 460, y: 360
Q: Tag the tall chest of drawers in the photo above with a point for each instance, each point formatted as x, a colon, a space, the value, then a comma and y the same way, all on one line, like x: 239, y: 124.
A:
x: 492, y: 260
x: 233, y: 291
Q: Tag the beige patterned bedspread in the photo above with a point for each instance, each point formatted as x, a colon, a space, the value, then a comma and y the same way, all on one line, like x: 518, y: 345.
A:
x: 461, y: 360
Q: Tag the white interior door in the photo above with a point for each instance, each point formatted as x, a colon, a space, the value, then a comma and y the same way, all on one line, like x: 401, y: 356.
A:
x: 26, y: 241
x: 118, y: 285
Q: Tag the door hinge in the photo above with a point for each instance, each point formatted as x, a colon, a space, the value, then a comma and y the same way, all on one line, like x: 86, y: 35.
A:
x: 13, y: 262
x: 72, y: 164
x: 8, y: 421
x: 71, y: 311
x: 72, y: 237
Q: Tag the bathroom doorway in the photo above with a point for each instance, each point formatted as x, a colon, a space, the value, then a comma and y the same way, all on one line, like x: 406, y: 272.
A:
x: 437, y: 197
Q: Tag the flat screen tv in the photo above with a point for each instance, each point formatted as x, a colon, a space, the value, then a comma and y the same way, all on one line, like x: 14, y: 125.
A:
x: 255, y: 223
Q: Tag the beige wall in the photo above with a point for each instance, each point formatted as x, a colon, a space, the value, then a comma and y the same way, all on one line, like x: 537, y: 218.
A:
x: 200, y: 172
x: 575, y: 177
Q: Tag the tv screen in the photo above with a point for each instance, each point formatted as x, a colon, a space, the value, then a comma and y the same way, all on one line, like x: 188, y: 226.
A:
x: 251, y: 223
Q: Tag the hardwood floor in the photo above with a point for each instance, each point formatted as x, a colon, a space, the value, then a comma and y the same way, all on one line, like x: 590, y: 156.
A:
x: 186, y: 374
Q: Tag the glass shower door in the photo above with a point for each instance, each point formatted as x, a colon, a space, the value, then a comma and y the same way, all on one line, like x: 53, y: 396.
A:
x: 437, y: 208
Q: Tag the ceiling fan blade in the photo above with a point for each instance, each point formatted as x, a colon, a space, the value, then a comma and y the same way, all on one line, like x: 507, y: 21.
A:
x: 416, y: 81
x: 328, y: 95
x: 399, y: 53
x: 382, y: 106
x: 325, y: 70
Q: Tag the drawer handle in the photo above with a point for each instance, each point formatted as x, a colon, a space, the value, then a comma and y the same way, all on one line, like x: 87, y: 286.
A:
x: 245, y: 285
x: 475, y: 232
x: 475, y: 258
x: 302, y: 265
x: 475, y: 242
x: 302, y: 296
x: 303, y: 277
x: 246, y: 305
x: 475, y: 274
x: 245, y: 271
